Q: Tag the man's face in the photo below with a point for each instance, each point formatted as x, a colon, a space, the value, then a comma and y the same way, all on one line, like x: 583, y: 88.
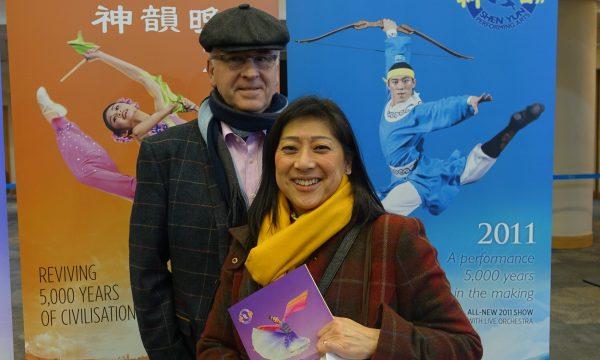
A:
x: 401, y: 88
x: 246, y: 80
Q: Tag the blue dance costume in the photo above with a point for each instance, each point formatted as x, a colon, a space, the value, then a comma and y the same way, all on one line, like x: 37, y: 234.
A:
x: 402, y: 130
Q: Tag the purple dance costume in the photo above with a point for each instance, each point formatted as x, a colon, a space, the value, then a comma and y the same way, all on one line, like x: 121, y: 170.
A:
x: 91, y: 164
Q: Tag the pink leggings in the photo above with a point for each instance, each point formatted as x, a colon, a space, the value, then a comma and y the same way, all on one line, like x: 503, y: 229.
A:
x: 89, y: 162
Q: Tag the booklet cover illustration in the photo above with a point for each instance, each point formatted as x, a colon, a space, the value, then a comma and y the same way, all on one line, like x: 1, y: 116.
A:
x: 281, y: 321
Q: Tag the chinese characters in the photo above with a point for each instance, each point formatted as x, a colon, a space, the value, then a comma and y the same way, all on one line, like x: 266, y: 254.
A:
x: 117, y: 17
x: 161, y: 19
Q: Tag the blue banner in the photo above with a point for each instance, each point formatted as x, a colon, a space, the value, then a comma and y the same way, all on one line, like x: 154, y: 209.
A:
x: 481, y: 183
x: 6, y: 335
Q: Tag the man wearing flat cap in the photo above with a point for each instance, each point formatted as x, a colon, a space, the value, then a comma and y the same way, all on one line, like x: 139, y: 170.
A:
x: 196, y: 180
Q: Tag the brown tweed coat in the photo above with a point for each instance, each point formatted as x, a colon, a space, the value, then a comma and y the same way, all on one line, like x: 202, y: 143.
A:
x: 406, y: 295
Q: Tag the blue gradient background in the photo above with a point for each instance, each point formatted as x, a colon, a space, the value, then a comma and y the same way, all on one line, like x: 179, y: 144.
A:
x: 6, y: 340
x: 517, y: 66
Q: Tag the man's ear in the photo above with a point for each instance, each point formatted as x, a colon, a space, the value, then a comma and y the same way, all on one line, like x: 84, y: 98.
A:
x: 210, y: 69
x: 276, y: 69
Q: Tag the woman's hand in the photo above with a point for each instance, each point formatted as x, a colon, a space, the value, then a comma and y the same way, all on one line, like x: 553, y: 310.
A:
x: 170, y: 109
x: 92, y: 54
x: 348, y: 339
x: 188, y: 105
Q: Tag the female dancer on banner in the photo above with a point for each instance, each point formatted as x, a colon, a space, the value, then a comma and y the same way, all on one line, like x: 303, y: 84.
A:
x: 87, y: 160
x: 418, y: 180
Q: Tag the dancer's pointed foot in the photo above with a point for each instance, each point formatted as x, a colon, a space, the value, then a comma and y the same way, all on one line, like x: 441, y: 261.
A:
x: 49, y: 108
x: 523, y: 118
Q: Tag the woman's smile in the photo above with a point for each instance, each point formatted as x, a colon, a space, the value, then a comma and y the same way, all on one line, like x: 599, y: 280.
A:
x: 306, y: 184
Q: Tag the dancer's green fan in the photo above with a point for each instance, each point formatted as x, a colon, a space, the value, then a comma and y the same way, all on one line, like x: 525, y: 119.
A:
x: 81, y: 47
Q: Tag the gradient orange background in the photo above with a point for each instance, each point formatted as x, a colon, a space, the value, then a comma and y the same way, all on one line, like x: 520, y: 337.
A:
x: 61, y: 221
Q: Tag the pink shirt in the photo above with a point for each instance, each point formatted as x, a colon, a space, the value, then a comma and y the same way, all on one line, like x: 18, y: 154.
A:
x: 247, y: 159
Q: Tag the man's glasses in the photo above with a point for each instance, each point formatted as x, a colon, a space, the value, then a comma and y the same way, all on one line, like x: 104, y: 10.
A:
x: 236, y: 62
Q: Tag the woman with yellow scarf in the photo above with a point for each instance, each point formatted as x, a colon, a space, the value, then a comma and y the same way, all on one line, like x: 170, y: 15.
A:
x: 377, y: 272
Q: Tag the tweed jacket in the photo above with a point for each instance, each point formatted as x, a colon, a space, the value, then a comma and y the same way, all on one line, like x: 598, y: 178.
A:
x: 405, y: 294
x: 178, y: 216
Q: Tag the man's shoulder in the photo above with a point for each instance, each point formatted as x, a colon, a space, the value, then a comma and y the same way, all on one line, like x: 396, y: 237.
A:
x: 179, y: 142
x: 186, y: 132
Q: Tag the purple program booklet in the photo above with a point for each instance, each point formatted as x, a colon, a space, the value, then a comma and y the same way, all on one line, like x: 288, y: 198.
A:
x: 281, y: 320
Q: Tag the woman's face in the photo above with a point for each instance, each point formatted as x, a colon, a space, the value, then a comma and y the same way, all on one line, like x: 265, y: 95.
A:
x: 309, y: 163
x: 120, y: 116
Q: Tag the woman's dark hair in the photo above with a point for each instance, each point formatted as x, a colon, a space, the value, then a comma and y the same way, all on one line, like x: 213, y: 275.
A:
x: 367, y: 206
x: 115, y: 131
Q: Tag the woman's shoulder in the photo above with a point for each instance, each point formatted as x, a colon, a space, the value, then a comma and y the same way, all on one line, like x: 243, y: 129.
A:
x: 402, y: 238
x: 392, y: 224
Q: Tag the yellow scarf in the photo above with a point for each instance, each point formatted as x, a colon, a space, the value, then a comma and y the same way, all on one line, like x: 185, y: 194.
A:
x: 286, y: 247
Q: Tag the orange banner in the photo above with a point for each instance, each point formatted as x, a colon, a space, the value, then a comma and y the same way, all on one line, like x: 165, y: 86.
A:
x: 73, y: 224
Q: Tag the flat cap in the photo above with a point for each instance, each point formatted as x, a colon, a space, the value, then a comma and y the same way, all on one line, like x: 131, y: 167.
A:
x: 244, y: 28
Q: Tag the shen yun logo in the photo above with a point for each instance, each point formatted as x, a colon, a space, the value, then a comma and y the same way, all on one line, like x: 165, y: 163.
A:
x: 500, y: 14
x: 245, y: 316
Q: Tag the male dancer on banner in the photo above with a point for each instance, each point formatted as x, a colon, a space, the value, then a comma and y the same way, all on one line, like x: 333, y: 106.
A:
x: 196, y: 180
x: 418, y: 180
